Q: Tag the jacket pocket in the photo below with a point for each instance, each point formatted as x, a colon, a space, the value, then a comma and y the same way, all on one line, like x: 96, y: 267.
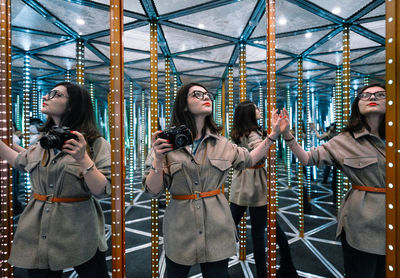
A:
x: 73, y: 169
x: 221, y: 164
x: 360, y: 162
x: 174, y: 168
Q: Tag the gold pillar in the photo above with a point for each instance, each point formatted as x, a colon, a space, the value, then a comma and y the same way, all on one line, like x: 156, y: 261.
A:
x: 346, y: 86
x: 80, y: 61
x: 392, y: 138
x: 230, y: 120
x: 154, y: 118
x: 6, y: 212
x: 117, y: 136
x: 167, y: 98
x: 299, y: 135
x: 271, y: 159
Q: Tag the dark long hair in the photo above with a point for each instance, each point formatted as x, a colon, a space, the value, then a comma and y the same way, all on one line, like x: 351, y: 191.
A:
x: 79, y: 114
x: 357, y: 121
x: 244, y: 120
x: 182, y: 116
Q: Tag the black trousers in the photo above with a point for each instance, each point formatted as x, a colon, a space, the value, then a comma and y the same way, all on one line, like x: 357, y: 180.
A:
x: 258, y: 219
x: 209, y: 270
x: 96, y: 267
x: 359, y: 264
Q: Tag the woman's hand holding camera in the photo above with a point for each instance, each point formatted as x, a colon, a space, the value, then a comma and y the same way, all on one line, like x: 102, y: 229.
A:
x: 160, y: 146
x: 77, y: 149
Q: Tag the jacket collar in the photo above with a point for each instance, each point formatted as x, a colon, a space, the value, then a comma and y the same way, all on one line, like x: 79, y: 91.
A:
x: 364, y: 132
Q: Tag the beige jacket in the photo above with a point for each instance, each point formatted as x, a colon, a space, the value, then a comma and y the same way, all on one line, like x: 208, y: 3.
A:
x: 198, y: 231
x: 362, y: 159
x: 60, y: 235
x: 249, y: 188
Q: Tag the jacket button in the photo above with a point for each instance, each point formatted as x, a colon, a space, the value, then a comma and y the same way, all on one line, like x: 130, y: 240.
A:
x: 47, y: 209
x: 51, y: 185
x: 200, y: 232
x: 196, y: 183
x: 43, y: 236
x: 54, y: 162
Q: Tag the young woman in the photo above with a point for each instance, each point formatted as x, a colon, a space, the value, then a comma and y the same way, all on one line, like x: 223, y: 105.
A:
x: 62, y: 225
x: 198, y: 226
x: 359, y: 151
x: 249, y: 189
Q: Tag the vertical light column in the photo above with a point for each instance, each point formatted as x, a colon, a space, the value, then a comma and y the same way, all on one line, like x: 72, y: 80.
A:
x: 26, y: 110
x: 35, y: 99
x: 167, y: 92
x: 6, y: 212
x: 299, y: 135
x: 175, y: 90
x: 392, y: 138
x: 154, y: 117
x: 339, y: 127
x: 167, y: 108
x: 288, y: 150
x: 261, y: 104
x: 117, y: 135
x: 242, y: 97
x: 223, y: 107
x: 346, y: 85
x: 308, y: 138
x: 271, y: 159
x: 143, y: 131
x: 242, y: 71
x: 67, y: 76
x: 80, y: 61
x: 91, y: 92
x: 131, y: 141
x: 230, y: 120
x: 366, y: 80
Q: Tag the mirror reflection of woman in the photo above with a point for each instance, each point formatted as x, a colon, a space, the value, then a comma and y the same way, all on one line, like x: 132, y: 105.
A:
x: 249, y: 190
x: 198, y: 226
x: 62, y: 225
x: 360, y: 152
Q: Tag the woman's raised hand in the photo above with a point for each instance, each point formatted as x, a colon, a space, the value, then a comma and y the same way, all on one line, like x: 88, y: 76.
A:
x: 160, y: 146
x: 76, y: 148
x: 285, y: 123
x: 275, y: 124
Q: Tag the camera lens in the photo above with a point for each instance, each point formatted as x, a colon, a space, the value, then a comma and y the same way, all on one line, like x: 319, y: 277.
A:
x: 181, y: 140
x: 50, y: 141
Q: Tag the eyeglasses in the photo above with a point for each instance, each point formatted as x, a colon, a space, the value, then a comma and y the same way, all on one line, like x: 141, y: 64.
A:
x: 200, y: 95
x: 55, y: 93
x: 378, y: 95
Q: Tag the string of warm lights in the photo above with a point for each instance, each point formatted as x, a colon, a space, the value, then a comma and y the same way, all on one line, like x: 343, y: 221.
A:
x: 271, y: 158
x: 392, y: 138
x: 80, y: 61
x: 261, y: 104
x: 167, y: 100
x: 299, y: 135
x: 6, y: 212
x: 346, y: 86
x: 154, y: 117
x: 117, y: 138
x: 230, y: 120
x: 242, y: 91
x: 68, y: 76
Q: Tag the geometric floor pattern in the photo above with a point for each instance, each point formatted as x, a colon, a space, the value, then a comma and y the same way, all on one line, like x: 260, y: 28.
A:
x: 316, y: 255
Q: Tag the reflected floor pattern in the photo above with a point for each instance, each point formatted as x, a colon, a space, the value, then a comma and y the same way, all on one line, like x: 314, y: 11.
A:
x: 316, y: 255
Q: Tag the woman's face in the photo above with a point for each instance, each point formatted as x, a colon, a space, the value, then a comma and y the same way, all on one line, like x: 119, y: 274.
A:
x: 258, y: 113
x: 55, y: 102
x: 198, y: 101
x: 372, y: 104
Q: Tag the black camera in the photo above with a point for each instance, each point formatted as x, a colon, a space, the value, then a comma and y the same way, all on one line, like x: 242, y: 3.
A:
x: 56, y: 137
x: 178, y: 136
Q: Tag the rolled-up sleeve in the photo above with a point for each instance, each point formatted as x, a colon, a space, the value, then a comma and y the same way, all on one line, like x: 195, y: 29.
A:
x: 241, y: 157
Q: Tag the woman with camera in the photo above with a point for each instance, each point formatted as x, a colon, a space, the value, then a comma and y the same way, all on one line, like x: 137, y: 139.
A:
x: 249, y: 189
x: 198, y: 226
x: 360, y: 152
x: 62, y: 225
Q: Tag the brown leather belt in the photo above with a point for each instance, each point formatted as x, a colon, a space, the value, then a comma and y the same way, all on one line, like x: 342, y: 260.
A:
x: 258, y: 166
x: 370, y: 188
x: 197, y: 195
x: 51, y: 199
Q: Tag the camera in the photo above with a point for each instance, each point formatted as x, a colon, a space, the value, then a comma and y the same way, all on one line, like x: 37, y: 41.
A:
x: 178, y: 136
x: 56, y: 138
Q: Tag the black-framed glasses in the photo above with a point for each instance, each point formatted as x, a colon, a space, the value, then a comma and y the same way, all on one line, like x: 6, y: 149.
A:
x: 200, y: 95
x: 378, y: 95
x: 55, y: 93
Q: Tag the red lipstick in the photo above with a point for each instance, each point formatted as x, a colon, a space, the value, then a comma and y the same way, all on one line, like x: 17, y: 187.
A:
x: 372, y: 104
x: 207, y: 104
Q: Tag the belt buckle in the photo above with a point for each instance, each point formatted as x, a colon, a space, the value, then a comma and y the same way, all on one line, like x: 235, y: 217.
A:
x: 197, y: 195
x: 49, y: 198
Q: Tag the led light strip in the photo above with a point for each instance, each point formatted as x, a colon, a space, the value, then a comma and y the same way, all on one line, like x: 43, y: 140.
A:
x: 80, y: 61
x: 299, y: 135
